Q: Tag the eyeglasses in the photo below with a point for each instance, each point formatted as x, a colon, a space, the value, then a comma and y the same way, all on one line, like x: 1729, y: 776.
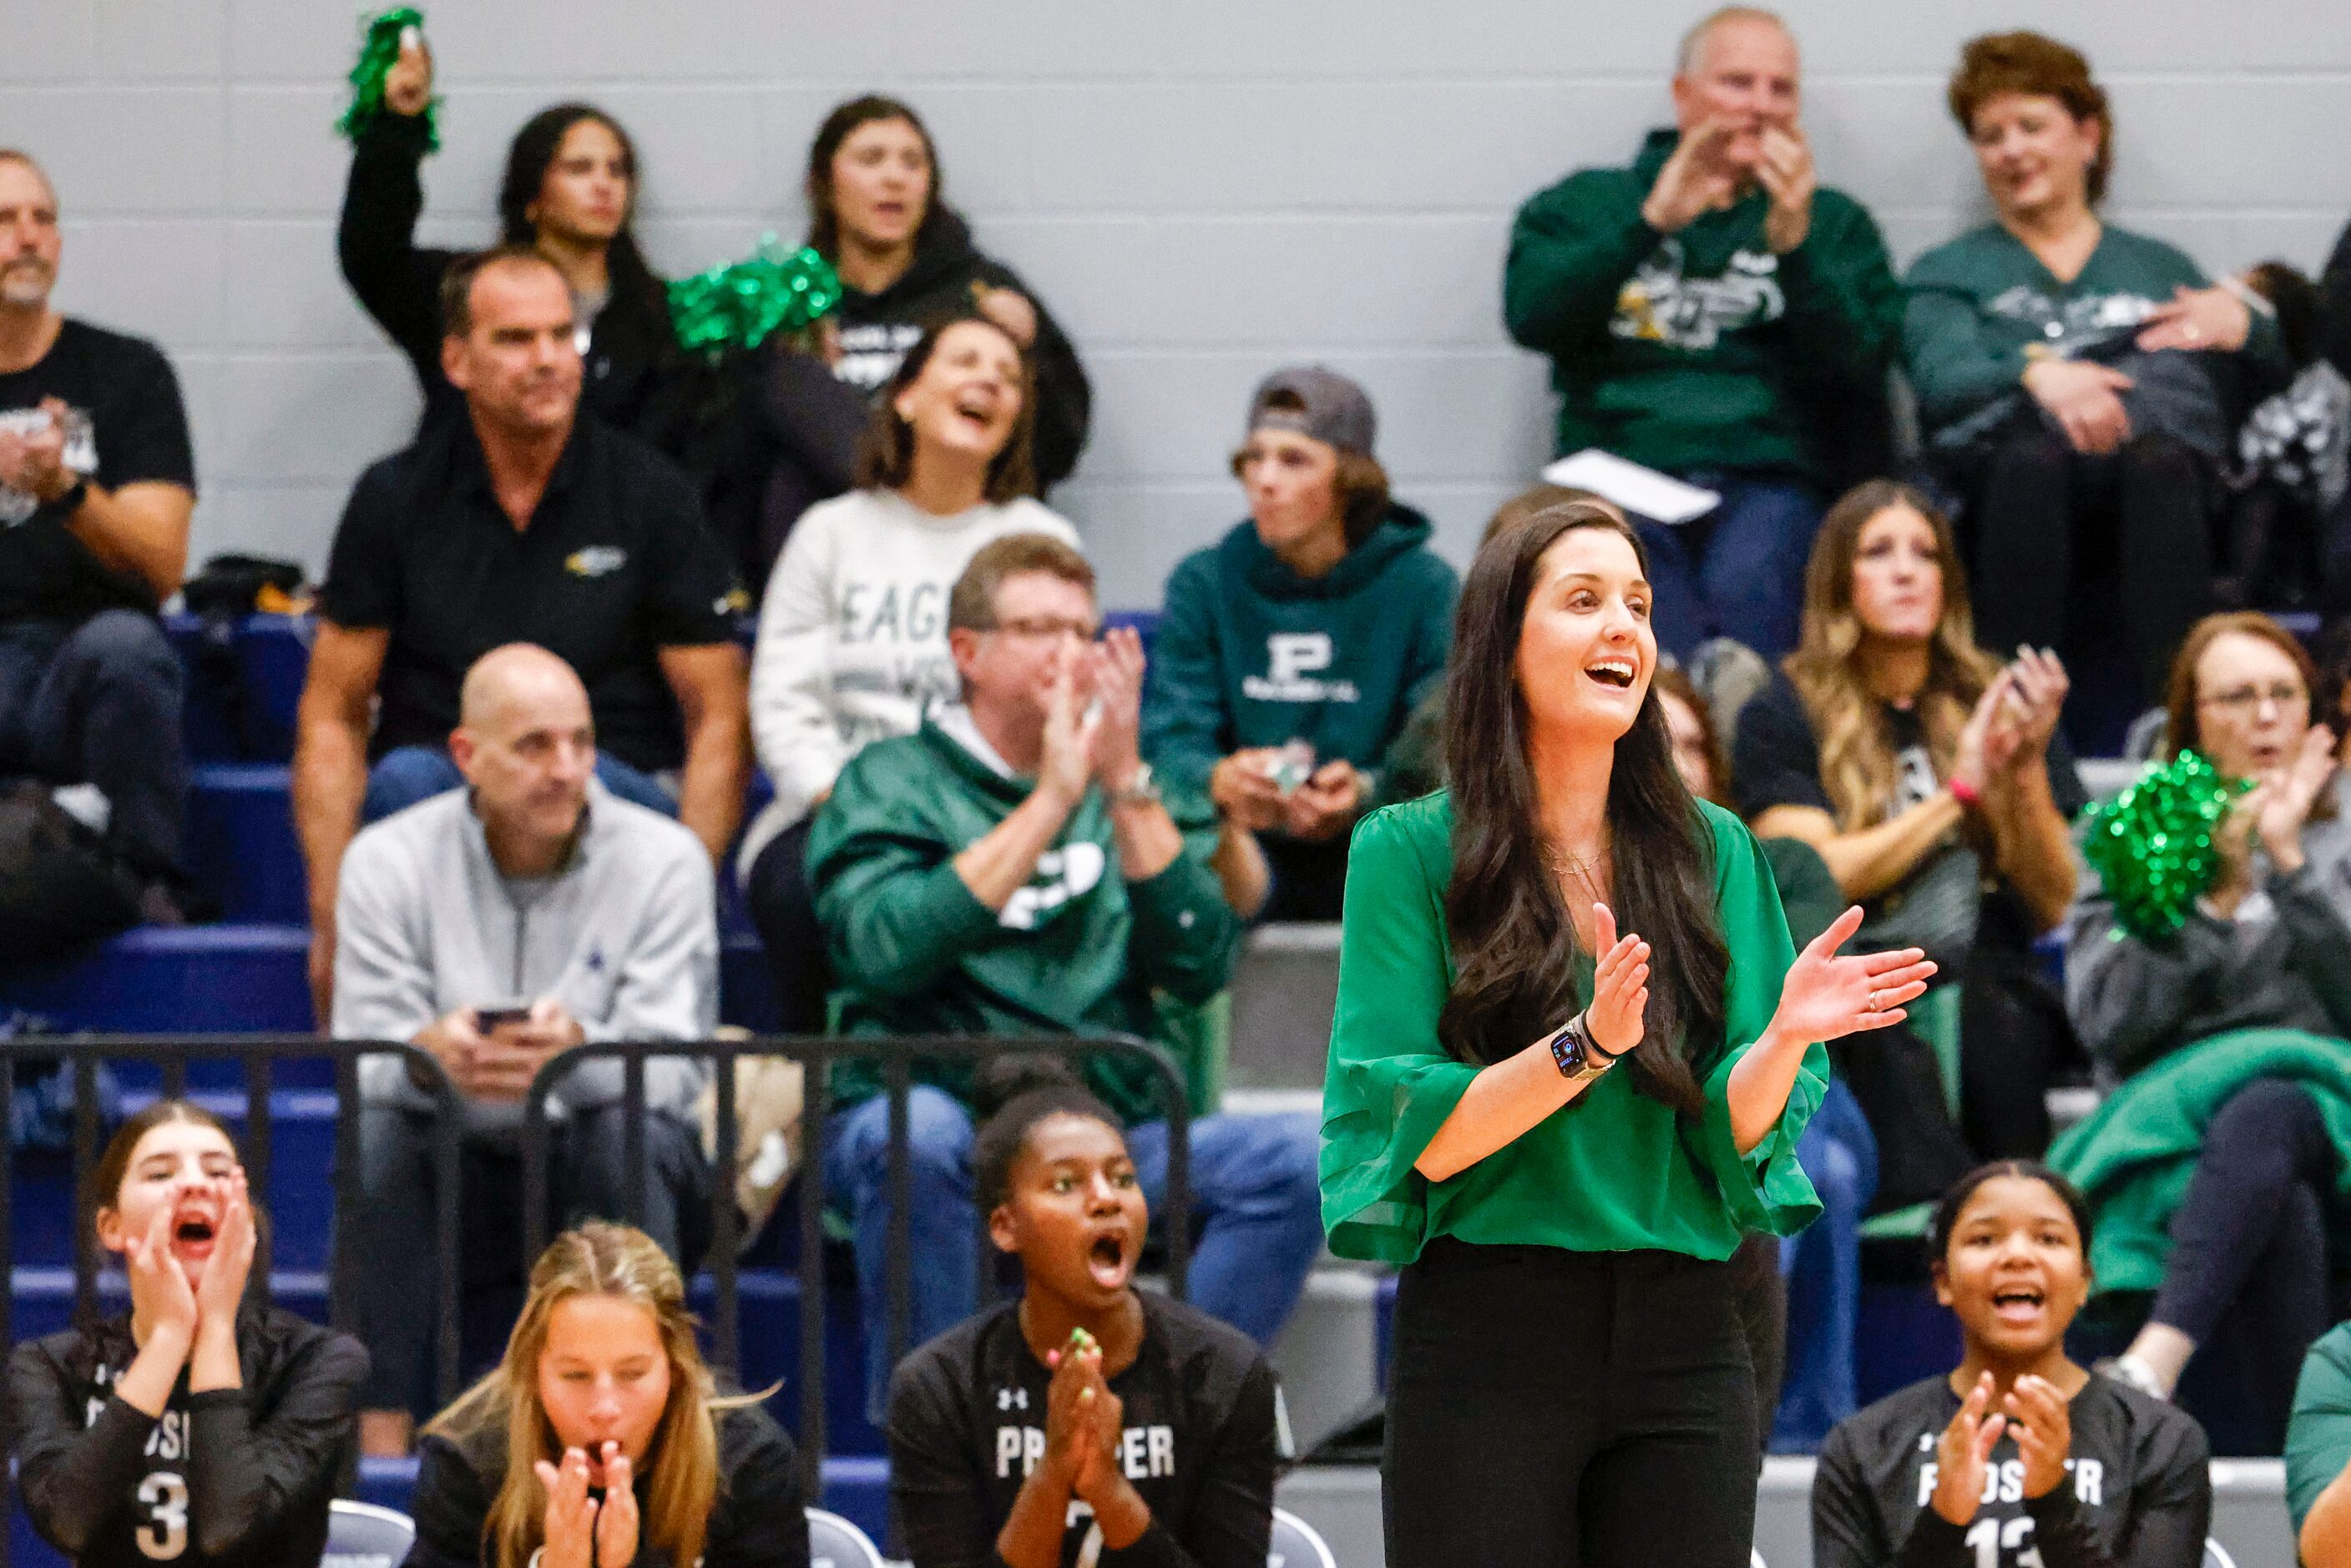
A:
x: 2243, y: 701
x: 1043, y: 628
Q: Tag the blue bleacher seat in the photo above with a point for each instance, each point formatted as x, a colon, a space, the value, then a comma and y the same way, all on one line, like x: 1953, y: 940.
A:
x: 240, y: 847
x: 177, y: 980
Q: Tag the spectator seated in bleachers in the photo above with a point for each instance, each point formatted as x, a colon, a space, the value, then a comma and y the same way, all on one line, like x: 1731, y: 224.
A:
x: 97, y: 485
x: 634, y: 1455
x: 907, y: 265
x: 1819, y: 1307
x: 1087, y: 1405
x: 200, y: 1425
x: 1013, y: 869
x: 2018, y: 1455
x: 522, y: 522
x: 852, y: 645
x: 1697, y: 309
x: 2066, y: 371
x: 2215, y: 1168
x: 1290, y: 653
x: 2318, y: 1453
x: 571, y: 191
x: 1934, y: 783
x: 494, y: 926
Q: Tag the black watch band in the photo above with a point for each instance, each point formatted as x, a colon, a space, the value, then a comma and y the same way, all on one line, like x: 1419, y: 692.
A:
x: 70, y: 502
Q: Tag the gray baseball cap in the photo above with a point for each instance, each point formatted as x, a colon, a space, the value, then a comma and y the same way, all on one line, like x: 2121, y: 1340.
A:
x: 1327, y: 407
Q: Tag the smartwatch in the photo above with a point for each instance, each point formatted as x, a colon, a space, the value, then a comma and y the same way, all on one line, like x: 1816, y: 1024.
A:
x: 70, y: 502
x: 1579, y: 1056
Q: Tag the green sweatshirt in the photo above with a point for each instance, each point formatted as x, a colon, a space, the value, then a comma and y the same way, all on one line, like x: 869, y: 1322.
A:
x: 2318, y: 1437
x: 1079, y: 950
x: 1976, y: 301
x: 1249, y: 653
x: 1613, y: 1171
x: 1694, y: 350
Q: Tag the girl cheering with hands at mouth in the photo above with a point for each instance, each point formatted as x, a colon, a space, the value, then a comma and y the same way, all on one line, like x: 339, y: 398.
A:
x: 197, y: 1427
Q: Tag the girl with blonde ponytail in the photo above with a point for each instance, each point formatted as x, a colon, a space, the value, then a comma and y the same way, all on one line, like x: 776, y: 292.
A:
x: 601, y: 1440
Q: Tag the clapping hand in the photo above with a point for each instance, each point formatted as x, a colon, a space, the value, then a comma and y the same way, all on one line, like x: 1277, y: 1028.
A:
x: 34, y: 463
x: 1786, y: 174
x: 2043, y: 1430
x: 408, y: 85
x: 2280, y: 804
x: 1964, y: 1454
x: 1826, y: 997
x: 1620, y: 986
x: 1696, y: 180
x: 579, y: 1533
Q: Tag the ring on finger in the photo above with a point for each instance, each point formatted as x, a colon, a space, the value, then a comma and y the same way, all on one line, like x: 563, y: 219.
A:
x: 1874, y: 1002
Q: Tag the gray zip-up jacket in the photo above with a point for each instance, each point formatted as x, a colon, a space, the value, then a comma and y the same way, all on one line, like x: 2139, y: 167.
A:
x: 2285, y: 962
x: 625, y: 937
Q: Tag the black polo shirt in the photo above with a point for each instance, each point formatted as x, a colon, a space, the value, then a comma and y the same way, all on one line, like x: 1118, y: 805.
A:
x: 614, y: 566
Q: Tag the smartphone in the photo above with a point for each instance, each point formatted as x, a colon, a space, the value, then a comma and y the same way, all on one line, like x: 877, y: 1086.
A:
x: 1292, y: 766
x: 488, y: 1019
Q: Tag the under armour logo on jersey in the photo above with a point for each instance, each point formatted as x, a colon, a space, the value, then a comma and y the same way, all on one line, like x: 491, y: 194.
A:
x: 1012, y: 1399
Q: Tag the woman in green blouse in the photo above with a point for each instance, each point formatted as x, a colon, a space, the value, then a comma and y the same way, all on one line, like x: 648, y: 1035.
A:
x: 1570, y: 1384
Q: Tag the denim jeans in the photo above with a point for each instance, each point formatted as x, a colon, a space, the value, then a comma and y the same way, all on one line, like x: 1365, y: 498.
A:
x: 1824, y: 1269
x: 395, y: 1264
x: 99, y: 703
x: 1738, y: 571
x: 1254, y: 1202
x: 408, y: 773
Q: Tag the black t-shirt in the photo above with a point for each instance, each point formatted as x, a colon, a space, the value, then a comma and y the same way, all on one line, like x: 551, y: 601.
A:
x: 126, y: 426
x: 760, y: 1520
x: 615, y: 565
x: 967, y: 1424
x: 2138, y: 1489
x: 1776, y: 761
x: 238, y: 1476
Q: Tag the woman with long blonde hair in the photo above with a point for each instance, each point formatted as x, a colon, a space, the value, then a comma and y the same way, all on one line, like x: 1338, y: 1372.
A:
x: 601, y: 1439
x: 1933, y: 781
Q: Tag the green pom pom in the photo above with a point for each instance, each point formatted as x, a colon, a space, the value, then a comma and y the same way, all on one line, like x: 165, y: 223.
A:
x: 2156, y: 844
x: 379, y: 52
x: 738, y: 306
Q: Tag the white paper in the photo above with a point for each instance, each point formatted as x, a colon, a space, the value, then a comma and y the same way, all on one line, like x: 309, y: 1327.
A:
x: 1644, y: 492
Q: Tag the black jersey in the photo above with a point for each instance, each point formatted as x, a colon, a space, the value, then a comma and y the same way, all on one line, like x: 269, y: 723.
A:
x: 758, y: 1520
x: 2138, y: 1489
x: 237, y: 1476
x: 967, y: 1424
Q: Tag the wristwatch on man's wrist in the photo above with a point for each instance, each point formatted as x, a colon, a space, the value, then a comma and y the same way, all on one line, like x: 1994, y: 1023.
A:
x: 1140, y: 789
x: 1580, y: 1058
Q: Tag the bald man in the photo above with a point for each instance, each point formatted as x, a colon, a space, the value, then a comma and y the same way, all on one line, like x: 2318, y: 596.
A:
x: 496, y: 925
x: 1703, y: 310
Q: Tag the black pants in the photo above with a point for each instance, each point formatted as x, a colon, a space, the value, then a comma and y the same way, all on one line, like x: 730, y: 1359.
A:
x: 2014, y: 1042
x: 1556, y: 1409
x: 785, y: 912
x: 2044, y: 516
x: 2247, y: 1280
x: 98, y: 703
x: 1308, y: 877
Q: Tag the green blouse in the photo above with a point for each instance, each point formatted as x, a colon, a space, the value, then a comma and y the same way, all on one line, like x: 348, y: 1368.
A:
x: 1613, y: 1170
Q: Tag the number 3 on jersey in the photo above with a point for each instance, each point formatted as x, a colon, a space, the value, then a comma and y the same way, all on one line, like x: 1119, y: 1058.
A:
x: 165, y: 1497
x: 1989, y: 1537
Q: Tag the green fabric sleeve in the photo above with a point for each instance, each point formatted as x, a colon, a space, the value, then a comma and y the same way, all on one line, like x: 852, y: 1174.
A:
x: 1844, y: 309
x: 1765, y: 1189
x: 1572, y: 248
x: 896, y: 917
x: 2318, y: 1437
x: 1955, y: 366
x: 1186, y: 936
x: 1390, y: 1084
x: 1184, y: 719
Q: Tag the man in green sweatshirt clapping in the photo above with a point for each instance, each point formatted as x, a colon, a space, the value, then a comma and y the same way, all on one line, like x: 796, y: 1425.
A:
x: 1693, y: 306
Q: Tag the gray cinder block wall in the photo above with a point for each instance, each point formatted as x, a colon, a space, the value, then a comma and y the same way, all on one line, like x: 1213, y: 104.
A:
x: 1200, y: 190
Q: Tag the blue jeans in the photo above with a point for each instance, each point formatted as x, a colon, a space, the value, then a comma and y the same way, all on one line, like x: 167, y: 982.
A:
x: 1253, y: 1194
x: 98, y: 703
x: 1823, y: 1269
x: 1738, y: 571
x: 408, y: 774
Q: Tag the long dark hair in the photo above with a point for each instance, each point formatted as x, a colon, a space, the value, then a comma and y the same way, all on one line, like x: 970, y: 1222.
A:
x: 637, y: 289
x: 824, y: 222
x: 1514, y: 944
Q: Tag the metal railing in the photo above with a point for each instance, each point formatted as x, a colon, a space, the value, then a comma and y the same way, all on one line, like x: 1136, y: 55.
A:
x: 82, y: 1054
x: 816, y: 1054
